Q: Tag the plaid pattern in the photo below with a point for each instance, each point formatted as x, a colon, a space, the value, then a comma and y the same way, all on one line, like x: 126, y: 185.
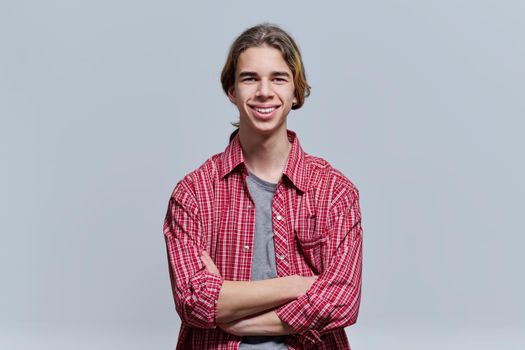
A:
x: 317, y: 231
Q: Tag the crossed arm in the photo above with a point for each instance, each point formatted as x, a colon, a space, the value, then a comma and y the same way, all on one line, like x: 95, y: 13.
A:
x: 304, y: 305
x: 246, y: 308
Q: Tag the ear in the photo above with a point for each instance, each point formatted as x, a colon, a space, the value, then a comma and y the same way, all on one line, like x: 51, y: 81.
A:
x: 231, y: 95
x: 294, y: 101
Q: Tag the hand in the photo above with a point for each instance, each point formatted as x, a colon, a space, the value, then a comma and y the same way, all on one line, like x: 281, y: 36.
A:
x: 303, y: 283
x: 235, y: 327
x: 208, y: 262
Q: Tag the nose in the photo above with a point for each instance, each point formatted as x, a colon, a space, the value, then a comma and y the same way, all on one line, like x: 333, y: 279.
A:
x: 264, y: 89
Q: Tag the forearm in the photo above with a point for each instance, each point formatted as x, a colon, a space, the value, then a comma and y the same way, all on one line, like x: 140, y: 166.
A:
x: 265, y: 324
x: 239, y: 299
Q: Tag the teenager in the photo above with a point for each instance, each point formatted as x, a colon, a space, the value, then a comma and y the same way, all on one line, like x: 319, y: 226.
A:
x: 264, y: 241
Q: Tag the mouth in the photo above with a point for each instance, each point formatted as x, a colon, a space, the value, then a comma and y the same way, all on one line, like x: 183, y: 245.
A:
x: 264, y: 112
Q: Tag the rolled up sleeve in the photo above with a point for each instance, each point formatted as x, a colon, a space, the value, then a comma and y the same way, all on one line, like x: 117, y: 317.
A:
x: 195, y: 290
x: 333, y: 300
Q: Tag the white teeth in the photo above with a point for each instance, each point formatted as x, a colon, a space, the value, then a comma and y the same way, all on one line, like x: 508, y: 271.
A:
x: 265, y: 110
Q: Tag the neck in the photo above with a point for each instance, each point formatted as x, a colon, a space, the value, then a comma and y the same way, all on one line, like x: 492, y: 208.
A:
x: 266, y: 155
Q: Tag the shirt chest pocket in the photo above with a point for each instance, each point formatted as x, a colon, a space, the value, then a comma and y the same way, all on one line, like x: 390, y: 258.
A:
x: 311, y: 240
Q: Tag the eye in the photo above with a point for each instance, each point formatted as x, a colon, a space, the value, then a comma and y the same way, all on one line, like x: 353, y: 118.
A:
x: 248, y: 79
x: 280, y: 80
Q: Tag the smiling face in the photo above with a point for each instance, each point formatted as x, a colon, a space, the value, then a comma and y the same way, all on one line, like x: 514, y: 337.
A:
x: 263, y: 91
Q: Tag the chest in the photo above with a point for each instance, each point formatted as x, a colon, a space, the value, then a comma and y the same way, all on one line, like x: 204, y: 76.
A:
x: 298, y: 221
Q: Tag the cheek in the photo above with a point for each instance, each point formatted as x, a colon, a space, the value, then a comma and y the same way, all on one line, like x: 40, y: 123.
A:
x: 288, y: 95
x: 287, y: 92
x: 244, y: 94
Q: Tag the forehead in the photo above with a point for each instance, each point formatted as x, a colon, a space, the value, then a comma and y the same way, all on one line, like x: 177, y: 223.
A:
x: 262, y: 60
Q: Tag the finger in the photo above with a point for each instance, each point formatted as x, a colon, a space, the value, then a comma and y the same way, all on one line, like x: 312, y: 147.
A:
x: 206, y: 261
x: 208, y: 258
x: 208, y: 264
x: 204, y: 254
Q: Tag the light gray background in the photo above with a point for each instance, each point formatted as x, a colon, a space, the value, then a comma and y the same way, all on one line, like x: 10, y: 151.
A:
x: 105, y: 105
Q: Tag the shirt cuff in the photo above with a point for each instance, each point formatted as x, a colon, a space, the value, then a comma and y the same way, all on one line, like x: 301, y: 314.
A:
x: 204, y: 289
x: 306, y: 315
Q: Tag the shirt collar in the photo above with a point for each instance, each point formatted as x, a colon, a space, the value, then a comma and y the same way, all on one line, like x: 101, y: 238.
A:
x: 294, y: 169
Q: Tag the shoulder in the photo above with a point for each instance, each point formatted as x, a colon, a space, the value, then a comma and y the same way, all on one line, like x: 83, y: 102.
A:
x: 201, y: 179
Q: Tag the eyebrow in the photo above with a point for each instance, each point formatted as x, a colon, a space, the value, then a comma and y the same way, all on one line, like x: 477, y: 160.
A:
x: 281, y: 74
x: 253, y: 74
x: 247, y: 74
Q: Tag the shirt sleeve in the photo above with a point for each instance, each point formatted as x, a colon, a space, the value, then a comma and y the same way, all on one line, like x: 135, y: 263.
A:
x: 333, y: 300
x: 195, y: 290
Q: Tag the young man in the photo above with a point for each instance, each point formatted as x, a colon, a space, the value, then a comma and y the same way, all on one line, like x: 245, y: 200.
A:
x: 264, y: 240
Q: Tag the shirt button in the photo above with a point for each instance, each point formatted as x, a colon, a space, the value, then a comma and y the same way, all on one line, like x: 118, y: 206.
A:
x: 281, y: 257
x: 246, y: 248
x: 249, y: 206
x: 279, y: 217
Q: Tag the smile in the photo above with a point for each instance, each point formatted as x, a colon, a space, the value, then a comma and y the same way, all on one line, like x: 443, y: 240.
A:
x: 264, y: 110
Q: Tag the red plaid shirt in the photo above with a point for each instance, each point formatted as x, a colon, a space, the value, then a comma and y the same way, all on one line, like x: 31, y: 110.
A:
x: 317, y: 231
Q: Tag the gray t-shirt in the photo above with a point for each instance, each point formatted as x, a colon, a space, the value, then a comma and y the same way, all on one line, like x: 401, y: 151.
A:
x: 263, y: 263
